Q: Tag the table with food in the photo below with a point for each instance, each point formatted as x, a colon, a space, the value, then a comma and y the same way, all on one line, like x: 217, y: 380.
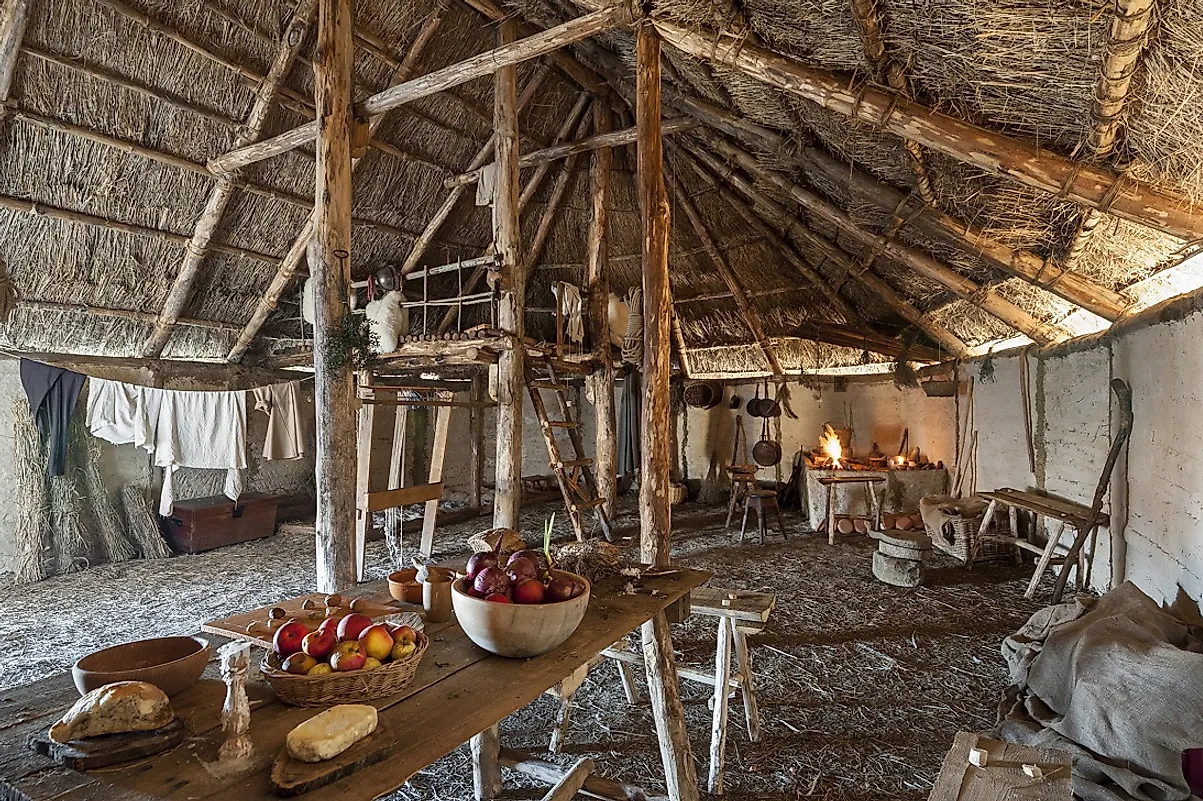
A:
x: 349, y: 694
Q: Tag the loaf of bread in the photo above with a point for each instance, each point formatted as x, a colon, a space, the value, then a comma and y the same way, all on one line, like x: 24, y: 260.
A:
x: 328, y: 734
x: 123, y: 706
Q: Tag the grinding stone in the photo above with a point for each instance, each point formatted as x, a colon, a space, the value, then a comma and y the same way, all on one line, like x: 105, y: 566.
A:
x: 897, y: 572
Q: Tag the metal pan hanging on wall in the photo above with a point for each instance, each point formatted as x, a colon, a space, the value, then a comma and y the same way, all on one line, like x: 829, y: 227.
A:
x: 755, y: 404
x: 767, y: 452
x: 769, y: 407
x: 704, y: 394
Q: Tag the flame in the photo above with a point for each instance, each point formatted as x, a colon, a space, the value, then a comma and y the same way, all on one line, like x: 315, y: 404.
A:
x: 829, y: 441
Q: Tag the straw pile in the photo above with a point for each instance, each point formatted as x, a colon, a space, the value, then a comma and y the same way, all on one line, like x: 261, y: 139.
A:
x: 32, y: 536
x: 143, y: 527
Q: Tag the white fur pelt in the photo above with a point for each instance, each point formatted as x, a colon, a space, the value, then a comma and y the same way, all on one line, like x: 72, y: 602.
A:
x: 619, y: 312
x: 388, y: 320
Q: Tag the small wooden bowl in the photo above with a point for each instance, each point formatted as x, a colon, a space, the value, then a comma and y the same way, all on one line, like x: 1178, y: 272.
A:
x: 518, y: 630
x: 404, y: 586
x: 173, y: 664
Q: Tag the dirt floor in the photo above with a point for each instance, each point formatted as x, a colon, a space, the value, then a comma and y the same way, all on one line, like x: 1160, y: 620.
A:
x: 861, y: 685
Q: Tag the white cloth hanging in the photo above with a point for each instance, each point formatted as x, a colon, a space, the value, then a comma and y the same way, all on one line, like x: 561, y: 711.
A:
x: 289, y: 421
x: 486, y: 184
x: 205, y: 430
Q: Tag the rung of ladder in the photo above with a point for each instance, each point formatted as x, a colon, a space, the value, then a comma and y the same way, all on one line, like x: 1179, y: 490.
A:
x: 574, y: 463
x: 540, y: 384
x: 563, y: 424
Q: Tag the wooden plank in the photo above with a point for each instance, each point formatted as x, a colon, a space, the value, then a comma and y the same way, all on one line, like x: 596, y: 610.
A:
x: 594, y: 787
x: 442, y: 428
x: 1075, y: 514
x: 748, y: 606
x: 566, y: 788
x: 402, y: 496
x: 376, y: 603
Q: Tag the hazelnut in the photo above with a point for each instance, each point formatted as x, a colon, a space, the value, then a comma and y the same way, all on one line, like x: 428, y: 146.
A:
x: 276, y: 613
x: 309, y: 603
x: 358, y: 604
x: 334, y: 600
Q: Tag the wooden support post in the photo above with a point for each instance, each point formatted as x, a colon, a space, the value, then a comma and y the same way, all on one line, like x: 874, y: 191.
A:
x: 1091, y: 185
x: 330, y: 267
x: 507, y: 55
x: 442, y: 428
x: 14, y: 16
x: 680, y: 776
x: 292, y: 260
x: 223, y: 191
x: 486, y: 763
x: 477, y: 436
x: 594, y: 787
x: 363, y: 480
x: 718, y: 725
x: 507, y: 498
x: 747, y: 311
x: 601, y: 381
x: 655, y: 512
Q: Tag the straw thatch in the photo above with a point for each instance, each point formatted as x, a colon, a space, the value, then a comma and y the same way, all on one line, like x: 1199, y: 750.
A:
x: 1022, y: 67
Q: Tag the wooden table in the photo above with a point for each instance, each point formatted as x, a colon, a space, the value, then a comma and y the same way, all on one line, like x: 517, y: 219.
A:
x: 831, y: 482
x: 1067, y: 513
x: 460, y: 691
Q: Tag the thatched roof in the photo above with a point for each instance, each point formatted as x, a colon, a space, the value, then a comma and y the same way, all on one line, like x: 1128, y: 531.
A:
x: 1026, y: 69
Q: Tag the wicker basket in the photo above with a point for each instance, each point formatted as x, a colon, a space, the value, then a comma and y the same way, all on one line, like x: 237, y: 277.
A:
x: 677, y: 494
x: 345, y: 688
x: 961, y: 534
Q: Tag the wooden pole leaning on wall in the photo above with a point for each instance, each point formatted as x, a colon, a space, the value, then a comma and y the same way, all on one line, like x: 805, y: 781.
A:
x: 655, y: 518
x: 330, y: 266
x: 223, y: 191
x: 288, y: 266
x: 997, y: 154
x: 507, y: 498
x: 597, y: 255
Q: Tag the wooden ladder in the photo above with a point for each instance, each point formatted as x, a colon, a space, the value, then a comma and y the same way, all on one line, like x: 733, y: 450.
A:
x: 574, y: 475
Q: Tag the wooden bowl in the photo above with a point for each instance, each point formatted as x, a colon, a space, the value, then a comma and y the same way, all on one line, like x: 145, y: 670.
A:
x: 518, y: 630
x: 173, y: 664
x: 404, y: 586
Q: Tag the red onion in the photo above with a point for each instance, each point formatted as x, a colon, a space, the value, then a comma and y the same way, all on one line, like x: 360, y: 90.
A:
x: 537, y: 558
x: 478, y: 562
x: 520, y: 568
x: 491, y: 580
x: 560, y: 588
x: 528, y: 591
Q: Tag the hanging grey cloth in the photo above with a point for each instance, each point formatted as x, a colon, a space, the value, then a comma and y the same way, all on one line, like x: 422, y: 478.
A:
x: 629, y: 424
x: 52, y: 394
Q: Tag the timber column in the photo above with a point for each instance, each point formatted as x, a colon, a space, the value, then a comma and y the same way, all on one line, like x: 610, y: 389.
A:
x: 330, y: 266
x: 602, y: 379
x: 507, y: 496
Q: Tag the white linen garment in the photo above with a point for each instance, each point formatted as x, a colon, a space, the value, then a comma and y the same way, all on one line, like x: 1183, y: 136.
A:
x: 179, y: 429
x: 289, y: 422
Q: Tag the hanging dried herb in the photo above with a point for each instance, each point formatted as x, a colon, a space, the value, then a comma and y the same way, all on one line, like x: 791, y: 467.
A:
x: 352, y: 344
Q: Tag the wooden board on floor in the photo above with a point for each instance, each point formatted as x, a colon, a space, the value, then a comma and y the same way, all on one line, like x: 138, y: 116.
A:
x: 1003, y: 772
x: 376, y: 605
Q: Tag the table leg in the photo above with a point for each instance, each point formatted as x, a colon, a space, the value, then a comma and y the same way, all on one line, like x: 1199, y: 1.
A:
x: 718, y: 727
x: 560, y: 730
x: 628, y: 681
x: 680, y: 777
x: 748, y: 686
x: 1046, y: 556
x: 486, y: 764
x: 831, y: 514
x: 1013, y: 521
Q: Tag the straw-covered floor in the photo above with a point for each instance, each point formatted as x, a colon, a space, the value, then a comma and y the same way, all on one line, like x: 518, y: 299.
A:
x: 861, y: 685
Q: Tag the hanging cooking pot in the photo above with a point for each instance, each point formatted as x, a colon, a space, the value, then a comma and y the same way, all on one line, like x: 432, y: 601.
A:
x: 769, y: 407
x: 754, y: 404
x: 767, y: 452
x: 704, y: 394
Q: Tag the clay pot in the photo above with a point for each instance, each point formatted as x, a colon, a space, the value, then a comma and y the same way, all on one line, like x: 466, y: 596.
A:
x: 844, y: 526
x: 861, y: 526
x: 887, y: 522
x: 904, y: 523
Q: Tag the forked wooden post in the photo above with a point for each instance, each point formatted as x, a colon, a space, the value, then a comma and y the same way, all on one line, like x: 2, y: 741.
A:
x: 605, y: 454
x: 680, y: 776
x: 330, y: 266
x: 507, y: 497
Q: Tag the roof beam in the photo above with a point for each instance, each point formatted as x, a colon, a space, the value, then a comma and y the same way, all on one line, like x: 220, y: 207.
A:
x: 475, y: 67
x: 1087, y: 184
x: 296, y: 253
x: 557, y: 152
x: 221, y: 194
x: 989, y: 300
x: 747, y: 311
x: 782, y: 218
x: 844, y: 336
x: 969, y: 239
x: 555, y: 201
x: 14, y: 17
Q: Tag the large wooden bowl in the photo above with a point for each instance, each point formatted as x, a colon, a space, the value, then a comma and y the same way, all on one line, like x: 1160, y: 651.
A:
x: 517, y: 630
x: 173, y: 664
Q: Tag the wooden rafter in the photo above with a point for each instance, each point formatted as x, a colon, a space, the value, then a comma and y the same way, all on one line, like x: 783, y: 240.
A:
x: 780, y: 217
x: 470, y: 69
x: 968, y: 238
x: 296, y: 253
x: 995, y: 153
x: 747, y: 311
x: 223, y: 191
x: 551, y: 212
x: 576, y: 147
x: 14, y: 17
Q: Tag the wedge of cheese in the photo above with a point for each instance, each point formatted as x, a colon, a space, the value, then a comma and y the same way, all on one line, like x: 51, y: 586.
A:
x: 328, y: 734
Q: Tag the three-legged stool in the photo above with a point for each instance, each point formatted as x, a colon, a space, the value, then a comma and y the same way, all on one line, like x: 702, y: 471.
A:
x: 760, y: 500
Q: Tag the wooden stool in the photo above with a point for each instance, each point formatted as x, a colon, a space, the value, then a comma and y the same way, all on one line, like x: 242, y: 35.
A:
x: 743, y: 479
x: 761, y: 500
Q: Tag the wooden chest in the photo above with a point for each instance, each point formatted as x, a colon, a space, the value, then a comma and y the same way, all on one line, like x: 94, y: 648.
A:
x: 201, y: 524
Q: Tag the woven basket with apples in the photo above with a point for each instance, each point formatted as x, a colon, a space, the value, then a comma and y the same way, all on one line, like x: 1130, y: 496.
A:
x: 521, y: 607
x: 345, y: 660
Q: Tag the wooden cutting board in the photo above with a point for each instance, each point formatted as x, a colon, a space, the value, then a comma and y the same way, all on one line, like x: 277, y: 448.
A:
x: 109, y: 749
x: 291, y: 777
x: 375, y: 606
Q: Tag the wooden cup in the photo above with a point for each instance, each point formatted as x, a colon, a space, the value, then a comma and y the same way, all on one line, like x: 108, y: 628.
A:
x: 436, y: 597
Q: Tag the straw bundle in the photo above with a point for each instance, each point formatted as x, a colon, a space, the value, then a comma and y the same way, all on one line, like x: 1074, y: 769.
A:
x: 72, y: 548
x: 32, y: 536
x: 114, y: 546
x: 143, y: 528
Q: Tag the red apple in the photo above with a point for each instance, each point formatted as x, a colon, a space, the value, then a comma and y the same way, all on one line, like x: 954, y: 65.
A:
x: 349, y: 658
x: 298, y: 664
x: 288, y: 638
x: 376, y: 641
x: 404, y: 634
x: 498, y: 597
x: 351, y: 626
x: 330, y: 624
x: 320, y: 643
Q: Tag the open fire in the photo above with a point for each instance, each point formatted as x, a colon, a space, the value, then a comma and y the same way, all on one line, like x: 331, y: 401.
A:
x: 829, y: 441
